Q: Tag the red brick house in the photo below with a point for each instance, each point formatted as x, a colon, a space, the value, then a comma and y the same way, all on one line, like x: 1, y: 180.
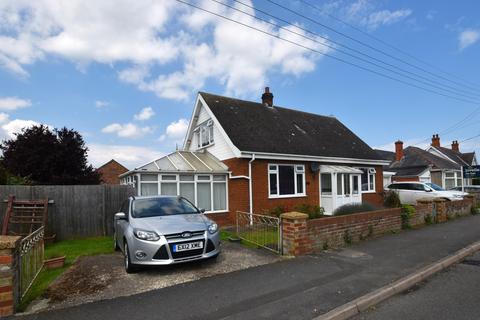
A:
x: 111, y: 171
x: 265, y: 156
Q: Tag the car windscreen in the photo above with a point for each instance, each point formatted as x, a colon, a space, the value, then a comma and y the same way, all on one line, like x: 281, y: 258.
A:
x: 164, y: 206
x: 435, y: 187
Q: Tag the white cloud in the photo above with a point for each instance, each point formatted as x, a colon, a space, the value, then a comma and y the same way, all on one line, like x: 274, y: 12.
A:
x: 467, y: 38
x: 129, y: 156
x: 144, y: 114
x: 175, y: 131
x: 13, y: 103
x: 128, y: 130
x: 16, y: 126
x: 385, y: 17
x: 101, y: 104
x: 139, y: 36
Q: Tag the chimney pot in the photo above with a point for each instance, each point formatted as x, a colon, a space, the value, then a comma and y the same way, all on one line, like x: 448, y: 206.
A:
x: 455, y: 146
x: 398, y: 150
x: 435, y: 140
x: 267, y: 97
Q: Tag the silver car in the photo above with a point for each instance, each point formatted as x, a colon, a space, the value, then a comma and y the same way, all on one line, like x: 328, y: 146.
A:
x: 162, y: 230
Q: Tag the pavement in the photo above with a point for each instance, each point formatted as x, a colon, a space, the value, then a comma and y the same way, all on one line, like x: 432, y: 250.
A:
x: 300, y: 288
x: 451, y: 294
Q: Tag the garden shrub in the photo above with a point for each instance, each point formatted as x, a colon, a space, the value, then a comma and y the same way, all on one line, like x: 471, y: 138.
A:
x: 347, y: 237
x: 391, y: 199
x: 407, y: 212
x: 313, y: 211
x: 276, y: 211
x: 354, y: 208
x: 428, y: 219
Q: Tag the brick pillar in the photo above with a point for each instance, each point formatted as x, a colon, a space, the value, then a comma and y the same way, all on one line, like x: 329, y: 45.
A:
x: 294, y: 232
x: 441, y: 205
x: 9, y: 297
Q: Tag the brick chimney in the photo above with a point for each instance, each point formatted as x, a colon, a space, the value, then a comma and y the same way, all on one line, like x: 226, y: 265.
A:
x: 455, y: 146
x: 267, y: 97
x: 398, y: 150
x: 435, y: 140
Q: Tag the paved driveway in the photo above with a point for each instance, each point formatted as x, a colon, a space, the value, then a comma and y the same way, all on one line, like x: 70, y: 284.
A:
x: 101, y: 277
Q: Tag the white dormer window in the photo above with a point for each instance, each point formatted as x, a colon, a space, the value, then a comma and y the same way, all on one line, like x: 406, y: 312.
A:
x: 204, y: 134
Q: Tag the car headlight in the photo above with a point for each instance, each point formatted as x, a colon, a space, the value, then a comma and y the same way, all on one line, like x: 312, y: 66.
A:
x: 146, y: 235
x: 213, y: 228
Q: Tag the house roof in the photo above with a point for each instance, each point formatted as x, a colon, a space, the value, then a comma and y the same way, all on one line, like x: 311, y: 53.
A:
x: 385, y: 155
x: 254, y: 127
x: 415, y: 161
x: 185, y: 162
x: 111, y: 163
x: 458, y: 157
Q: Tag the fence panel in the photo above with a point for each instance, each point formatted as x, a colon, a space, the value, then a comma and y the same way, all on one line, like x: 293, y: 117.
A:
x: 261, y: 230
x: 76, y: 211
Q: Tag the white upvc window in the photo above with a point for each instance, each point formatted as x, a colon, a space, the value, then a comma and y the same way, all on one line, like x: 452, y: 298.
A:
x: 286, y: 180
x: 368, y: 179
x: 206, y: 191
x: 452, y: 179
x: 204, y: 134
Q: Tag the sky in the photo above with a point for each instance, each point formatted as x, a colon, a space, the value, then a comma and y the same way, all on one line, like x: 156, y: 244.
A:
x: 125, y: 74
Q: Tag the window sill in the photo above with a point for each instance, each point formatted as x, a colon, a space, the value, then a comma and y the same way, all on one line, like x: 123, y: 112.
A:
x: 219, y: 211
x: 372, y: 191
x: 288, y: 196
x: 205, y: 147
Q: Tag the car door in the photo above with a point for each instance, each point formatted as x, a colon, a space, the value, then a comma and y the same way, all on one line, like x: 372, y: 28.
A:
x: 419, y: 192
x: 403, y: 193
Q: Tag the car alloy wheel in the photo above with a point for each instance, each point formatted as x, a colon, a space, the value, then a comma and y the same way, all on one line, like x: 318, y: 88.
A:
x: 129, y: 267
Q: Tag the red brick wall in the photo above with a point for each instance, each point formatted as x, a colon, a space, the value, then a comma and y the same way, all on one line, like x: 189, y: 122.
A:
x: 302, y: 236
x: 110, y: 171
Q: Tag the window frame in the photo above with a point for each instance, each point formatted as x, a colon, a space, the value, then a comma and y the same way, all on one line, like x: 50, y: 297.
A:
x: 371, y: 172
x: 273, y: 168
x: 207, y: 128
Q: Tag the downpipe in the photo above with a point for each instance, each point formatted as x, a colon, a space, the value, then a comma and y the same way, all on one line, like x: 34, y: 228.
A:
x: 250, y: 188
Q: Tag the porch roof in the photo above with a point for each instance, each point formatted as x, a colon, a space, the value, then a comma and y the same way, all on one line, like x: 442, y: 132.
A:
x: 339, y: 169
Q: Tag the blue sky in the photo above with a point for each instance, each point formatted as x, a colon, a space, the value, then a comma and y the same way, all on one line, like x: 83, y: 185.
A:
x: 126, y: 75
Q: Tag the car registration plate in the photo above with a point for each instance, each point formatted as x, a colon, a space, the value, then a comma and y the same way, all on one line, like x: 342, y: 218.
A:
x: 188, y: 246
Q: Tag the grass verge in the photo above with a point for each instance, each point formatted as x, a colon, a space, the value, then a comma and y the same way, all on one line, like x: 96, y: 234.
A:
x: 71, y: 249
x: 270, y: 238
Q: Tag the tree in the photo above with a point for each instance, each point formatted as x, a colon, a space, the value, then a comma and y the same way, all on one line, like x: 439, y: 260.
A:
x: 45, y: 156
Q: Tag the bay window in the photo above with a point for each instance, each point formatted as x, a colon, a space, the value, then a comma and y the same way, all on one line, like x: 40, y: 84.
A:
x: 286, y: 180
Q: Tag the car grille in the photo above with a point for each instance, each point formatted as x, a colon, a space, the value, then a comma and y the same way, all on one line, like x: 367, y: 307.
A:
x: 210, y: 246
x: 188, y: 253
x: 179, y: 235
x: 161, y: 254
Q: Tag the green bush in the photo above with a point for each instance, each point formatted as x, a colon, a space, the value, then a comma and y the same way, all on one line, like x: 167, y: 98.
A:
x: 313, y: 211
x: 276, y: 211
x: 347, y: 237
x: 354, y: 208
x: 428, y: 219
x: 407, y: 212
x: 476, y: 209
x: 391, y: 199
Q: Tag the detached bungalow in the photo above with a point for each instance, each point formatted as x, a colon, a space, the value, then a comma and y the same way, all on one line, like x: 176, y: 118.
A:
x: 252, y: 157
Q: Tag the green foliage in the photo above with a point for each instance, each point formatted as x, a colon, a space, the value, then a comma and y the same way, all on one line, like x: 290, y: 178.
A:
x: 407, y: 212
x: 313, y: 211
x: 45, y: 156
x: 347, y: 237
x: 370, y: 230
x: 71, y: 249
x: 476, y: 209
x: 325, y: 245
x: 354, y: 208
x: 276, y: 211
x: 428, y: 219
x: 391, y: 199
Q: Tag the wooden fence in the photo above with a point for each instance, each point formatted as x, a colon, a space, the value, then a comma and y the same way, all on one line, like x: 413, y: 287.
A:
x: 74, y: 211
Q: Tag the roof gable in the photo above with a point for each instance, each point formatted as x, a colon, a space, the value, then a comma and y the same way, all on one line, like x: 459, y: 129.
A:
x: 416, y: 158
x: 253, y: 127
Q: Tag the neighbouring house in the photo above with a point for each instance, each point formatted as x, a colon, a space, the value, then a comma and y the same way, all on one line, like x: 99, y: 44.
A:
x: 248, y: 156
x: 110, y: 172
x: 439, y: 165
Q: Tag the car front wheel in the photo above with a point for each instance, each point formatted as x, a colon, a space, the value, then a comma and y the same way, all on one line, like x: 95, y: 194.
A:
x: 129, y: 266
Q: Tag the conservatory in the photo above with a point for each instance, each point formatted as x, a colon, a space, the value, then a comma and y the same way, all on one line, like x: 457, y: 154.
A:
x: 197, y: 176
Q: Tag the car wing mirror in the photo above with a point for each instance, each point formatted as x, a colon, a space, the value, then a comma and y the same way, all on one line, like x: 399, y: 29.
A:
x: 120, y: 216
x: 202, y: 210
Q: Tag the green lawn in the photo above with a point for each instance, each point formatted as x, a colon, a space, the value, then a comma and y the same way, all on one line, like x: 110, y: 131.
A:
x: 71, y: 249
x: 269, y: 238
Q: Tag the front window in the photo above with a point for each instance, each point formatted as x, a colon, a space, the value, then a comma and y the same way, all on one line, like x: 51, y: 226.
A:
x: 204, y: 134
x: 149, y: 184
x: 165, y: 206
x: 326, y: 183
x: 368, y: 179
x: 286, y: 180
x: 453, y: 179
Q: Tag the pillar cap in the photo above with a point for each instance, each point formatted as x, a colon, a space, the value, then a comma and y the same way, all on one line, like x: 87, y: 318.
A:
x: 294, y: 215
